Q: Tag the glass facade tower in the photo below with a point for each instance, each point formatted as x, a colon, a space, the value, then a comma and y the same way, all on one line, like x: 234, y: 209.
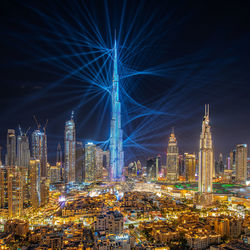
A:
x: 116, y: 147
x: 70, y: 150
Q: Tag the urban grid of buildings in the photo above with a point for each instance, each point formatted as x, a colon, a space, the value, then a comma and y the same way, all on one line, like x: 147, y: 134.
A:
x: 90, y: 200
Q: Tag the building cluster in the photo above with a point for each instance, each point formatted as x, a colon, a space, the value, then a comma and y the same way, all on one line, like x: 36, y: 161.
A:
x: 26, y: 175
x: 191, y: 167
x: 107, y: 232
x: 99, y: 219
x: 82, y: 163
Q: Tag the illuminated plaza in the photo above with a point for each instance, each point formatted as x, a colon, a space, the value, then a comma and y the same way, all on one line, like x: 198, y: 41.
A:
x: 124, y: 125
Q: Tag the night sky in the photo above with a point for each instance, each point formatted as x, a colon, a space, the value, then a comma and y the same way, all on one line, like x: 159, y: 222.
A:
x: 185, y: 54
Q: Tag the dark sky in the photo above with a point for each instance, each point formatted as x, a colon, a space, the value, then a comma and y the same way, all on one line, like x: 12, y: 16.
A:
x: 198, y: 52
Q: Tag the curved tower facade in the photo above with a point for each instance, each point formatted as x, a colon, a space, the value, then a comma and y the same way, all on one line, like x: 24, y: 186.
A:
x: 116, y: 147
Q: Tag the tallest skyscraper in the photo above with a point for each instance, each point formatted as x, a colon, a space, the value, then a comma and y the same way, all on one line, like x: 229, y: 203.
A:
x: 116, y: 147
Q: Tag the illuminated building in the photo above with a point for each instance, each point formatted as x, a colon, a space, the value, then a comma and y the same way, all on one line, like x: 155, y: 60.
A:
x: 59, y: 153
x: 35, y: 183
x: 221, y: 226
x: 172, y: 159
x: 151, y: 169
x: 44, y: 190
x: 70, y: 150
x: 232, y: 161
x: 59, y: 161
x: 219, y: 166
x: 190, y: 165
x: 24, y: 171
x: 16, y: 227
x: 39, y: 150
x: 106, y: 159
x: 131, y: 170
x: 111, y: 223
x: 139, y: 166
x: 206, y: 158
x: 54, y: 173
x: 116, y: 147
x: 23, y: 151
x: 11, y: 148
x: 99, y: 163
x: 181, y: 165
x: 3, y: 187
x: 79, y: 162
x: 227, y: 176
x: 241, y: 163
x: 90, y: 162
x: 15, y: 192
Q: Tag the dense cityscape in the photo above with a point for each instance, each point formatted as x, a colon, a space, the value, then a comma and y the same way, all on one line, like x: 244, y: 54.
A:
x: 89, y: 200
x: 88, y: 196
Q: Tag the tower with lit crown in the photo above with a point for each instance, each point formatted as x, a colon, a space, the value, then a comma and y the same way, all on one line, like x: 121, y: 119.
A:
x: 116, y: 147
x: 172, y: 159
x: 206, y: 156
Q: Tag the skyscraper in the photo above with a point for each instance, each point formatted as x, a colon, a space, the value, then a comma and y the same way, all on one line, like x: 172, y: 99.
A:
x: 70, y: 150
x: 59, y: 153
x: 35, y: 183
x: 90, y: 162
x: 172, y: 159
x: 23, y: 151
x: 190, y: 165
x: 219, y: 165
x: 15, y: 192
x: 241, y: 163
x: 39, y: 150
x: 233, y: 161
x: 99, y: 163
x: 59, y: 161
x: 11, y: 148
x: 116, y: 147
x: 79, y: 162
x: 206, y: 156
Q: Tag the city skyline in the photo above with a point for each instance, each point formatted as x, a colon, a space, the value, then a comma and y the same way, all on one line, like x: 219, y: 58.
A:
x: 197, y: 77
x: 124, y: 125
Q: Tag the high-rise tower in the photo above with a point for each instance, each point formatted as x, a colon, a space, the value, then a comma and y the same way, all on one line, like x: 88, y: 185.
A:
x: 39, y: 150
x: 241, y: 163
x: 70, y: 150
x: 11, y: 148
x: 23, y: 151
x: 116, y: 147
x: 59, y: 153
x: 172, y: 159
x: 190, y: 164
x: 90, y: 162
x: 206, y: 156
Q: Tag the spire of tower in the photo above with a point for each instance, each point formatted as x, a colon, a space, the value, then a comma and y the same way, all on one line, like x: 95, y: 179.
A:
x: 115, y: 61
x: 72, y: 115
x: 208, y: 111
x: 115, y: 74
x: 172, y: 130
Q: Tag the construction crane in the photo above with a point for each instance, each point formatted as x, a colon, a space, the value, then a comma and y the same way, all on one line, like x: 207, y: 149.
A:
x: 21, y: 132
x: 45, y: 126
x: 38, y: 124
